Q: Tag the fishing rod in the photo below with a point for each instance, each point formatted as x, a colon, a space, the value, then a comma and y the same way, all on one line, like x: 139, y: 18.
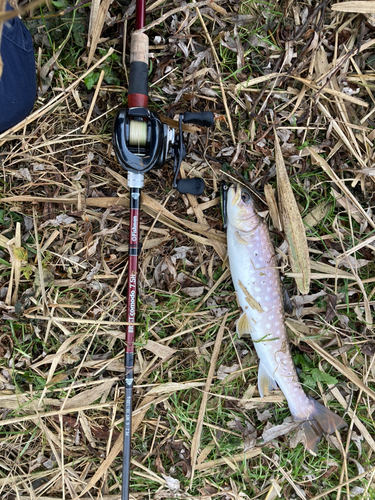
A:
x: 142, y: 142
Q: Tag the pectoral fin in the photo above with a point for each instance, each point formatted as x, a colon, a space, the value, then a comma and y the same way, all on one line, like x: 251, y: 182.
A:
x: 265, y: 382
x: 243, y: 325
x: 288, y: 306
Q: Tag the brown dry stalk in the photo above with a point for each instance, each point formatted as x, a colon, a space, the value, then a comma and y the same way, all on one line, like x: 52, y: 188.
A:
x: 344, y: 370
x: 94, y: 9
x: 5, y: 16
x: 40, y: 265
x: 341, y: 134
x: 358, y: 7
x: 272, y: 206
x: 198, y: 430
x: 43, y: 497
x: 170, y: 13
x: 218, y: 282
x: 217, y: 64
x: 149, y: 205
x: 96, y: 26
x: 27, y: 418
x: 234, y: 459
x: 78, y: 321
x: 93, y: 102
x: 292, y: 223
x: 350, y: 196
x: 331, y: 490
x: 297, y: 489
x: 137, y: 419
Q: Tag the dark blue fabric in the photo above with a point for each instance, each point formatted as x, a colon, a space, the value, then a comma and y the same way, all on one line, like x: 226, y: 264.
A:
x: 18, y: 81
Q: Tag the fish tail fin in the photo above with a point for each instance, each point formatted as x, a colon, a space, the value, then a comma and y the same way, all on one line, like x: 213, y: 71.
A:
x: 321, y: 421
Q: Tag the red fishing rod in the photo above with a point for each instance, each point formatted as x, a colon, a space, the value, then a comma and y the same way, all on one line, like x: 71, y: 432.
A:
x: 142, y: 142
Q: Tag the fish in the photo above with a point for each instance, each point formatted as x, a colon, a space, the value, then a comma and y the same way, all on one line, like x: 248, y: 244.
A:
x: 256, y: 280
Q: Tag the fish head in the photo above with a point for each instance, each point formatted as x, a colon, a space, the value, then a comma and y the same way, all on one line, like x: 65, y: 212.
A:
x: 241, y: 212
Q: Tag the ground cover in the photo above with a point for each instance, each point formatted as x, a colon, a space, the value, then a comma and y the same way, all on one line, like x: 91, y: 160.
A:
x: 292, y: 77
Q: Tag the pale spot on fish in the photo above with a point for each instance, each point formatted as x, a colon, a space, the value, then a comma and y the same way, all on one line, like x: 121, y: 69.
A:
x: 268, y: 325
x: 257, y: 289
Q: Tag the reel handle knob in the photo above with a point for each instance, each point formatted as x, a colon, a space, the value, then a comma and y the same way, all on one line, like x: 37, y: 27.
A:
x: 193, y: 186
x: 205, y: 119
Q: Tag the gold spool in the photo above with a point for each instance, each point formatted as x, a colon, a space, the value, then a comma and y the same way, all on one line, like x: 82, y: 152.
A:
x: 138, y: 133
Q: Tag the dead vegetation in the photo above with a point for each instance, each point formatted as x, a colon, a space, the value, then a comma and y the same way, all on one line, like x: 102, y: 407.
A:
x: 291, y: 86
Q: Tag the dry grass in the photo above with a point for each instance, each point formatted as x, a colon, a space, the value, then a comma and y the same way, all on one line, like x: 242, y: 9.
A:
x: 301, y: 71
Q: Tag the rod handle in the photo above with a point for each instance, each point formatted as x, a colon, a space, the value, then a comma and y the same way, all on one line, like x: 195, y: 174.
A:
x: 205, y: 119
x: 193, y: 186
x: 138, y: 71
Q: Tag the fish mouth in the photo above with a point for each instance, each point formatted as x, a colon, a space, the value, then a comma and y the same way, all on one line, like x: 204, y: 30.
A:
x: 237, y: 194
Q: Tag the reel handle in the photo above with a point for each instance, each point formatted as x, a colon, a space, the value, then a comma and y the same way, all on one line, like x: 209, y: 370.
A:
x: 193, y: 186
x: 205, y: 119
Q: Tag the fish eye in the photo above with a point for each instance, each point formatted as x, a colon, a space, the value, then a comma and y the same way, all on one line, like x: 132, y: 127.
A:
x: 245, y: 196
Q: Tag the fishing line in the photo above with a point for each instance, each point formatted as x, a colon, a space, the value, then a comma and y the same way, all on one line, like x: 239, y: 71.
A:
x: 247, y: 186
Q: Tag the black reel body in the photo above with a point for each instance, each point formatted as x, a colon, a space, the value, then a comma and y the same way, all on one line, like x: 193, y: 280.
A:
x: 142, y: 157
x: 142, y: 142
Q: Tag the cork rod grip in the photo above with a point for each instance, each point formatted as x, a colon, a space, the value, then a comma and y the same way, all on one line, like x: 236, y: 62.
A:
x: 139, y: 48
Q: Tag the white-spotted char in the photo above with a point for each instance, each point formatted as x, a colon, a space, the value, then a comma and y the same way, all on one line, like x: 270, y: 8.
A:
x: 257, y: 283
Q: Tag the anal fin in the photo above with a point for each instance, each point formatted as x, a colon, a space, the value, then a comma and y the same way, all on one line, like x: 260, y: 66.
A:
x: 243, y: 326
x: 265, y: 382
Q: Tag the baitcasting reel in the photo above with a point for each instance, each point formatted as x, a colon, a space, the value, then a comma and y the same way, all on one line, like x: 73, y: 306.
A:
x: 142, y: 142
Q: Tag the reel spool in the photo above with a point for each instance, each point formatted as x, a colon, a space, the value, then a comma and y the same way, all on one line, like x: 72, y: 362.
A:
x: 137, y: 133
